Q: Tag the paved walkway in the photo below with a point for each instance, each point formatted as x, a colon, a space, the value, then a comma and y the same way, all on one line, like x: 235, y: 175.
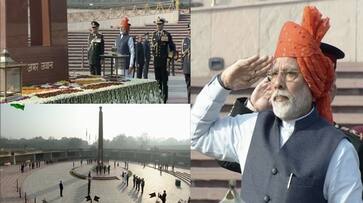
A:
x: 8, y: 182
x: 43, y: 183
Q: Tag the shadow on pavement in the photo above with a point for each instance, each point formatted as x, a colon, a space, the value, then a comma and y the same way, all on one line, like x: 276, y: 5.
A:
x: 81, y: 193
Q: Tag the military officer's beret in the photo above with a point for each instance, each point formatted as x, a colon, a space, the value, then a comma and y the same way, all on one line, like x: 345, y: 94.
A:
x: 160, y: 20
x: 332, y: 52
x: 95, y: 24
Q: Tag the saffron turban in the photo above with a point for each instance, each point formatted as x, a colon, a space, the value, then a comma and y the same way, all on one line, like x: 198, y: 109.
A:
x: 125, y: 23
x: 303, y: 43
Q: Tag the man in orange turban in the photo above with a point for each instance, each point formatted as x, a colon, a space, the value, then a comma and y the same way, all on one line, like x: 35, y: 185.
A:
x: 125, y: 46
x: 292, y: 153
x: 303, y: 43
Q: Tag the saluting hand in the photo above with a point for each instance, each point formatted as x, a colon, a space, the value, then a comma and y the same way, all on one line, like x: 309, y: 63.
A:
x: 245, y: 72
x: 260, y: 97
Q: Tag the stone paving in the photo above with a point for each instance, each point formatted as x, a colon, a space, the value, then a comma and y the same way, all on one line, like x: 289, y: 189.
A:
x: 177, y: 89
x: 43, y: 183
x: 9, y: 175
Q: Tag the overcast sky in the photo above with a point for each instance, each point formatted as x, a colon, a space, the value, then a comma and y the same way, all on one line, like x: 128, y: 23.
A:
x: 72, y: 120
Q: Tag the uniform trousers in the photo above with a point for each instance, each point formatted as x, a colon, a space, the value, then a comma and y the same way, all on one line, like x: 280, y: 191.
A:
x: 161, y: 75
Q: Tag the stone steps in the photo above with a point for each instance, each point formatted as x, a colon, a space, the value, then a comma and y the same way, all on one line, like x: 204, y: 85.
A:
x: 183, y: 176
x: 207, y: 195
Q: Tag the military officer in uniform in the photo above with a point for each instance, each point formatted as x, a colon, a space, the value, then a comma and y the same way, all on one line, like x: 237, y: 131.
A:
x: 245, y: 105
x: 162, y: 42
x: 186, y: 61
x: 96, y: 47
x: 146, y: 45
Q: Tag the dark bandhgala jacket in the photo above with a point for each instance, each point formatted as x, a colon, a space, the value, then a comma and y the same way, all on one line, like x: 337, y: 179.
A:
x: 239, y: 107
x: 139, y: 54
x: 146, y: 46
x: 123, y: 47
x: 294, y: 173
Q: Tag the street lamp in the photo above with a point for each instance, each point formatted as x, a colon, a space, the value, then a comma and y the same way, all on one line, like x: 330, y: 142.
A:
x: 10, y: 77
x: 89, y: 198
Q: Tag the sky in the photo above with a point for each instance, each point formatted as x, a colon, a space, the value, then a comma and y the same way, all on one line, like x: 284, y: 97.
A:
x: 73, y: 120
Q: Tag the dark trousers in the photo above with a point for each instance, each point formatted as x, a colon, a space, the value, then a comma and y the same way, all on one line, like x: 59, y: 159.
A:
x: 89, y: 187
x: 187, y: 81
x: 139, y: 71
x: 95, y: 69
x: 146, y: 69
x: 61, y: 192
x: 161, y: 75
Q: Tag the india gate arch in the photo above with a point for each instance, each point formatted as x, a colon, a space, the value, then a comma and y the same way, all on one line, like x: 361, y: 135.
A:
x: 35, y: 33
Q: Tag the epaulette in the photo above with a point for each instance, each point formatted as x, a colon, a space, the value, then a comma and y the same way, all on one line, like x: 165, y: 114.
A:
x: 350, y: 131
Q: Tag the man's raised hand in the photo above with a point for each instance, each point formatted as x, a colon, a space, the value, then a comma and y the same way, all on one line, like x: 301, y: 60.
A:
x: 245, y: 72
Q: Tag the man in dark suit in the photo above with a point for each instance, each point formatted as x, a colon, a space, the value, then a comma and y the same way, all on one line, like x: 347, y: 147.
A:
x: 96, y: 47
x: 61, y: 188
x: 140, y: 57
x: 259, y: 102
x: 163, y: 197
x: 146, y: 45
x: 162, y: 43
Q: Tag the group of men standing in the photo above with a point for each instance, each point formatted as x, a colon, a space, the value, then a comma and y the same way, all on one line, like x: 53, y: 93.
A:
x: 139, y: 53
x: 104, y: 167
x: 138, y: 183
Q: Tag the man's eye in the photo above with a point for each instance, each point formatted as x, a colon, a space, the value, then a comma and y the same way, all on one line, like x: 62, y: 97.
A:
x: 274, y: 74
x: 291, y: 75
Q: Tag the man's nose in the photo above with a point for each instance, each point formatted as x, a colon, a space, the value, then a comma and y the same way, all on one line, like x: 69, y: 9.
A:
x: 279, y: 82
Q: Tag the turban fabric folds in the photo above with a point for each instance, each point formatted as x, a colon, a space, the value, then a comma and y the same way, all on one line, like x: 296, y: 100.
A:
x: 303, y: 43
x: 125, y: 23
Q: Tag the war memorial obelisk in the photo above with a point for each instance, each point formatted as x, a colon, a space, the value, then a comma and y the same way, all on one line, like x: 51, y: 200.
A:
x: 100, y: 138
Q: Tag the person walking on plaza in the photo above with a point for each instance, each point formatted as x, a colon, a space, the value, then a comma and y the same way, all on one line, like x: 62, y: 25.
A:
x: 140, y: 57
x: 186, y: 61
x: 127, y: 179
x: 162, y: 197
x: 138, y: 181
x: 61, y: 188
x: 146, y: 46
x: 162, y: 43
x: 125, y: 46
x: 133, y: 181
x: 142, y: 185
x: 89, y: 184
x: 96, y: 47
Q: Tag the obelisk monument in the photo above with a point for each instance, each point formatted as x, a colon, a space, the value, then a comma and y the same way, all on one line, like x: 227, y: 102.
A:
x: 100, y: 138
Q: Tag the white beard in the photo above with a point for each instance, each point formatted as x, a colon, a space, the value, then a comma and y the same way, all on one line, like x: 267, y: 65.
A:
x: 296, y: 106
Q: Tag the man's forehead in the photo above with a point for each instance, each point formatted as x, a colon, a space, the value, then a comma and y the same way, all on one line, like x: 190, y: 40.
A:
x: 285, y: 63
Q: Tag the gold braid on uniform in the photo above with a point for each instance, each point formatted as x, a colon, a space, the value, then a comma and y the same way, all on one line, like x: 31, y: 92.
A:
x: 349, y: 130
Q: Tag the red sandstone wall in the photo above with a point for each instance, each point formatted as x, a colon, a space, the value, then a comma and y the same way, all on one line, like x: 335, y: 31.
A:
x: 47, y: 58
